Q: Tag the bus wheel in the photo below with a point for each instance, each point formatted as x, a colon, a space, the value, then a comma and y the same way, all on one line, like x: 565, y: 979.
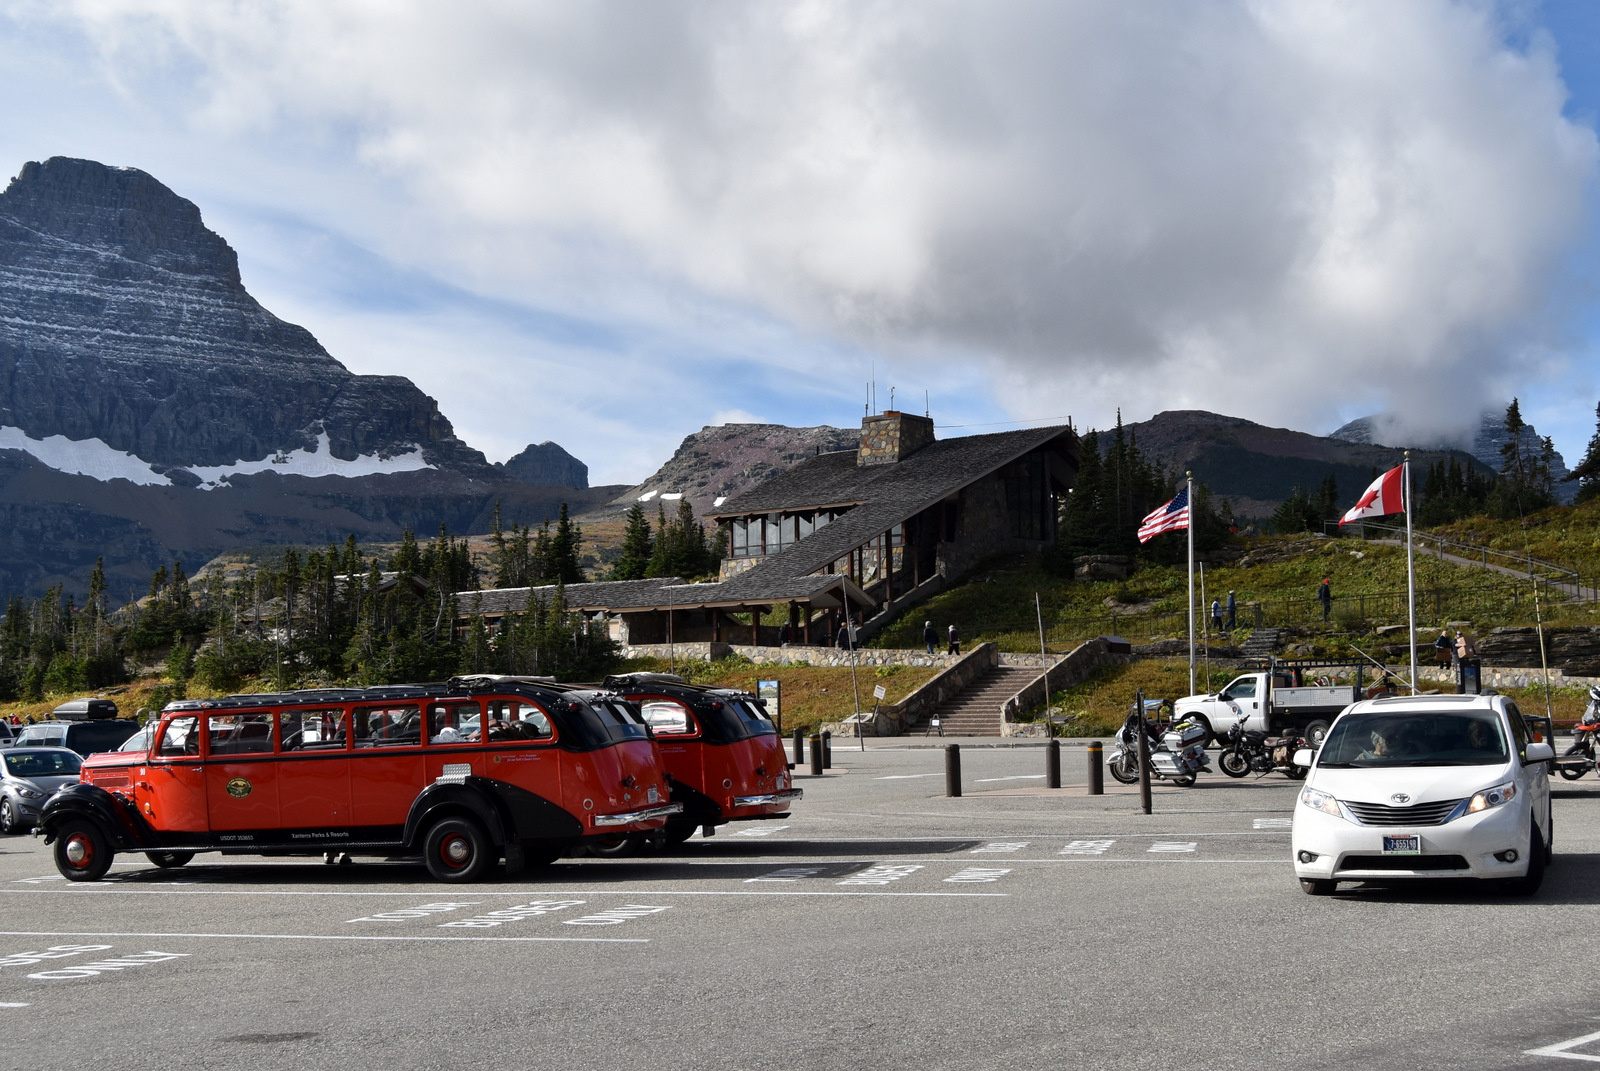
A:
x: 169, y: 860
x: 456, y: 849
x: 616, y: 847
x: 82, y: 853
x: 678, y: 832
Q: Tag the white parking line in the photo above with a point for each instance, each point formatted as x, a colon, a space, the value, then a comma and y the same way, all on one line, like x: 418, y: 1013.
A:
x: 979, y: 874
x: 906, y: 776
x: 1559, y: 1050
x: 1172, y: 846
x: 1000, y: 846
x: 761, y: 831
x: 882, y: 874
x: 1272, y: 823
x: 11, y: 1004
x: 1018, y: 777
x: 788, y: 873
x: 389, y: 937
x: 1087, y: 847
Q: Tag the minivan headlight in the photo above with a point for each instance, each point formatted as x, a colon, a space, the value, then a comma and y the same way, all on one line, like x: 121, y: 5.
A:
x: 1320, y: 801
x: 1492, y: 797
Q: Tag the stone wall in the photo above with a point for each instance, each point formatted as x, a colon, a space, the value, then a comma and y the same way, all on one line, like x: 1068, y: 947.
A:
x: 790, y: 656
x: 894, y: 718
x: 1068, y: 672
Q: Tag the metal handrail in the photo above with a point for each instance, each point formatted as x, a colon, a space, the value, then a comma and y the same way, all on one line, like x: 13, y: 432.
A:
x: 1483, y: 552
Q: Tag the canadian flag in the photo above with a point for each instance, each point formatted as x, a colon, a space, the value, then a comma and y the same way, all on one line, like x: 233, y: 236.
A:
x: 1384, y: 497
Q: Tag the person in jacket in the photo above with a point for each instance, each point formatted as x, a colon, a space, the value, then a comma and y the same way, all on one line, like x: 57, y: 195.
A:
x: 1233, y: 611
x: 1325, y: 597
x: 929, y: 635
x: 955, y: 640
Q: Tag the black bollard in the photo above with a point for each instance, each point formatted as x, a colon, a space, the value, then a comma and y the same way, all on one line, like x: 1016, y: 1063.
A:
x: 1097, y: 770
x: 816, y: 755
x: 1144, y: 758
x: 1052, y: 764
x: 827, y: 749
x: 952, y: 770
x: 799, y: 747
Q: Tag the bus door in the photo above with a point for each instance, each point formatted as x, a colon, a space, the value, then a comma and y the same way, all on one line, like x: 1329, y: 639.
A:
x: 386, y: 768
x: 242, y: 777
x: 313, y: 773
x: 678, y: 738
x: 522, y: 721
x: 171, y: 790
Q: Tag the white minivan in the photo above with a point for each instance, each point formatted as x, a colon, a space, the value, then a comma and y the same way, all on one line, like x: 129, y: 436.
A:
x: 1428, y: 786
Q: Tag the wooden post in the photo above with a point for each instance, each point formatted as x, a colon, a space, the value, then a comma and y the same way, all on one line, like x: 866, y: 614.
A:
x: 755, y: 626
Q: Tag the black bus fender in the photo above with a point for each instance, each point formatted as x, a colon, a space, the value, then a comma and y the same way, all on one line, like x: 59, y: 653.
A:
x: 469, y: 796
x: 111, y: 813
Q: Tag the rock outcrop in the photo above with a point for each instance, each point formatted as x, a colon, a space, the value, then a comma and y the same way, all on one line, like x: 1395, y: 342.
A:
x: 722, y: 461
x: 123, y: 319
x: 1487, y: 441
x: 549, y: 465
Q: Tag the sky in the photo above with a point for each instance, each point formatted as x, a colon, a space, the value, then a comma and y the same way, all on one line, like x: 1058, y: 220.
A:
x: 609, y: 224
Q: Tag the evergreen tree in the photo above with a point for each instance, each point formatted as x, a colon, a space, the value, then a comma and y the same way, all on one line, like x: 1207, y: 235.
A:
x: 1587, y: 474
x: 563, y: 561
x: 637, y: 547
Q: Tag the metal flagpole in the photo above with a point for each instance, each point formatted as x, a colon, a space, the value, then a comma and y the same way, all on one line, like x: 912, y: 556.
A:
x: 1411, y: 574
x: 1188, y: 498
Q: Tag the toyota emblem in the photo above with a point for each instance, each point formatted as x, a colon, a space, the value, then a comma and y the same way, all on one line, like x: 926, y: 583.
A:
x: 1400, y: 797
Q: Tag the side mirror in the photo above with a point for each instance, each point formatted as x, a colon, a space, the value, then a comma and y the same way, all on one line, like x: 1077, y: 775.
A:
x: 1540, y: 753
x: 1304, y: 757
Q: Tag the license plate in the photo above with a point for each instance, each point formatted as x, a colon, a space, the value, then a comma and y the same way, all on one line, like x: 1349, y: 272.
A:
x: 652, y: 796
x: 1406, y: 844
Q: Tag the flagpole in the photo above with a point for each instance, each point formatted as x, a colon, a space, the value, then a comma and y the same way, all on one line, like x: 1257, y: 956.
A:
x: 1189, y: 500
x: 1411, y: 575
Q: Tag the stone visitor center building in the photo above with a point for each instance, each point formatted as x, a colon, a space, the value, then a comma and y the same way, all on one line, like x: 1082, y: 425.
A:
x: 866, y: 532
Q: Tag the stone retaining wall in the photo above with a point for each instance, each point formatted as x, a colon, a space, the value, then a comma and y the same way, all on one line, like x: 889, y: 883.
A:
x: 892, y: 720
x: 791, y: 655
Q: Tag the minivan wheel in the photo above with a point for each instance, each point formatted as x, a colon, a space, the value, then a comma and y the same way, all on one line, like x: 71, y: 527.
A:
x: 1529, y: 883
x: 1317, y: 887
x: 457, y: 850
x: 82, y: 852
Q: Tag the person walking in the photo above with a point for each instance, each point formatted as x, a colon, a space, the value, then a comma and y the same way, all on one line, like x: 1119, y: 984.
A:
x: 1442, y: 648
x: 1233, y: 611
x: 1325, y: 597
x: 784, y: 635
x: 929, y: 635
x: 955, y: 640
x: 842, y: 641
x: 1216, y: 614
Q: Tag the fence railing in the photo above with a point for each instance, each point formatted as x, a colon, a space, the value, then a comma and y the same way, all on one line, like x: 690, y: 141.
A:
x: 1523, y: 563
x: 1435, y: 606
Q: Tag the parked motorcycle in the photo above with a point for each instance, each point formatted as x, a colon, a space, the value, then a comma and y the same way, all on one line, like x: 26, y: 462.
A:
x: 1247, y: 751
x: 1580, y: 757
x: 1177, y: 751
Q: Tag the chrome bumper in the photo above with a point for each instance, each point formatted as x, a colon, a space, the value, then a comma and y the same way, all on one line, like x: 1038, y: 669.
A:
x: 775, y: 797
x: 631, y: 817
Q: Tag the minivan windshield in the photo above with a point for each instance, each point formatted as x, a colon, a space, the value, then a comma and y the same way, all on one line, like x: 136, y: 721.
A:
x: 1415, y: 738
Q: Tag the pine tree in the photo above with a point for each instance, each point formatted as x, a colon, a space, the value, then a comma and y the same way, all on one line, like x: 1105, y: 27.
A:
x: 564, y: 564
x: 637, y: 547
x: 1587, y: 474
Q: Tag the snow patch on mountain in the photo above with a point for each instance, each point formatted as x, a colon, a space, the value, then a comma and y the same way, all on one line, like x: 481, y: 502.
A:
x: 314, y: 462
x: 82, y: 457
x: 95, y: 459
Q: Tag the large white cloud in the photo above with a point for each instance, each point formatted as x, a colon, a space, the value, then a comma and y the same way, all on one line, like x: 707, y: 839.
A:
x: 1282, y: 210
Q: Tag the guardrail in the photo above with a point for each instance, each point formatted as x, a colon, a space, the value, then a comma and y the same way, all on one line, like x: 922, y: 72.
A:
x: 1526, y: 563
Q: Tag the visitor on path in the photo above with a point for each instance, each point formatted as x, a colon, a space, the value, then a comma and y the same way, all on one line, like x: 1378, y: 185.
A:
x: 1442, y: 648
x: 1216, y: 615
x: 1465, y: 648
x: 842, y: 641
x: 955, y: 641
x: 1325, y: 597
x: 785, y: 634
x: 1233, y: 611
x: 929, y: 635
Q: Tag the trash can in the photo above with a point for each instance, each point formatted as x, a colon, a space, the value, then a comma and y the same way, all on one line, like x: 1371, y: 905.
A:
x: 1471, y: 677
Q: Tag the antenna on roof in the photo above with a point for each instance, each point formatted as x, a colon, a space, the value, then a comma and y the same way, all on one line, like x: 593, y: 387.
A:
x: 891, y: 397
x: 866, y: 409
x: 927, y: 409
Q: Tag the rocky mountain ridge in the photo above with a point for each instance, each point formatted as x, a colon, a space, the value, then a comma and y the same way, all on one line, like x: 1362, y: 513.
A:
x: 1487, y: 441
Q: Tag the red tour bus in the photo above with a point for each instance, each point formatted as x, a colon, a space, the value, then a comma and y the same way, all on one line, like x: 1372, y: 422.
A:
x: 464, y: 773
x: 723, y: 756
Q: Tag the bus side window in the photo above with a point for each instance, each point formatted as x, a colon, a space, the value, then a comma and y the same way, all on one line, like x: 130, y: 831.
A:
x: 667, y: 718
x: 390, y: 726
x: 314, y: 730
x: 452, y: 723
x: 180, y: 738
x: 510, y: 719
x: 240, y: 734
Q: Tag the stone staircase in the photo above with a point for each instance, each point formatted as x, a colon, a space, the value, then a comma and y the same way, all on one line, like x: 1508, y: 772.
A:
x: 976, y: 711
x: 1261, y: 644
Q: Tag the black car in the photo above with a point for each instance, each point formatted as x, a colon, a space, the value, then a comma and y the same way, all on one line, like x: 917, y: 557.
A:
x: 84, y: 737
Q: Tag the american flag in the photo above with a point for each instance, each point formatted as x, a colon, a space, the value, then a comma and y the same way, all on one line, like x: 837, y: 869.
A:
x: 1167, y: 518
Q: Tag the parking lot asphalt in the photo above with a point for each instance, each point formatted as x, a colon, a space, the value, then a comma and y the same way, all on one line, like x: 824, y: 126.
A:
x: 881, y: 925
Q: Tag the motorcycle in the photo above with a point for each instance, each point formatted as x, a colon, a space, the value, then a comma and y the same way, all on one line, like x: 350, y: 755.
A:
x: 1247, y: 751
x: 1177, y: 751
x: 1580, y: 757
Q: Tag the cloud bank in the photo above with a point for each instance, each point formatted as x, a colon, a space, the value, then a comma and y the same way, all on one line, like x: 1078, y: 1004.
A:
x: 1292, y: 211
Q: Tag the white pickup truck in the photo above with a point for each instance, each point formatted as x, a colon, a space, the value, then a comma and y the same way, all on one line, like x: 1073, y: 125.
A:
x: 1287, y: 697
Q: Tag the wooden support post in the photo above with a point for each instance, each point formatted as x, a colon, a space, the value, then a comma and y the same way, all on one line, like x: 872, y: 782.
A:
x: 755, y: 626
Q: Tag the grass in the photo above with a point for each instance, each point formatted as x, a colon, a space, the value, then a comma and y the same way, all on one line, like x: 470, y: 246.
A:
x: 811, y: 694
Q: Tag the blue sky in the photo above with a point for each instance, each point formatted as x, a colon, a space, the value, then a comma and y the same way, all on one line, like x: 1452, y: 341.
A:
x: 608, y: 225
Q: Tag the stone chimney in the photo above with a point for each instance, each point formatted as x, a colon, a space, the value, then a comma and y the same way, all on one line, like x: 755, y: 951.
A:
x: 890, y: 437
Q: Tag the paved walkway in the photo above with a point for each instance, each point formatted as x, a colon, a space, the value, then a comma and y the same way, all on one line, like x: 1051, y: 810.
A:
x: 1568, y: 588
